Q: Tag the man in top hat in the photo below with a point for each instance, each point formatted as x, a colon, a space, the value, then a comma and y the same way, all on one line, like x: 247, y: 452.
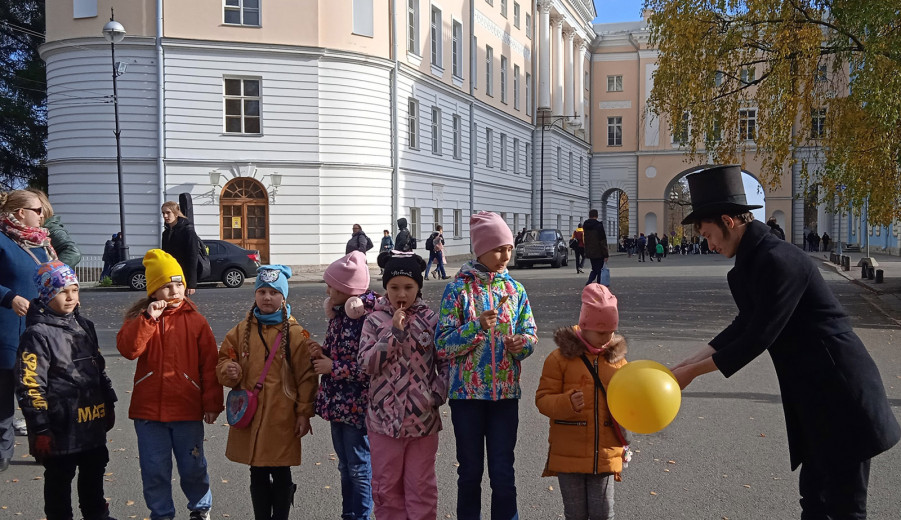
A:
x: 836, y: 411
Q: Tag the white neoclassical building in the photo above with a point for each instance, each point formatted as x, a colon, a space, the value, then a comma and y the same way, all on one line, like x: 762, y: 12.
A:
x: 290, y: 120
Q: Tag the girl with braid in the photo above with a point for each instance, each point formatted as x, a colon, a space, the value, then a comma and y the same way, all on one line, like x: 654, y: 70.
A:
x: 270, y: 445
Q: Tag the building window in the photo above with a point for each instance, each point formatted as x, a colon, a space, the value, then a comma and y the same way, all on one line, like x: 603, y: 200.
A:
x: 242, y: 12
x: 615, y: 131
x: 415, y: 222
x: 747, y: 124
x: 528, y: 26
x: 474, y: 66
x: 716, y: 133
x: 718, y: 79
x: 503, y: 152
x: 436, y: 36
x: 817, y: 123
x: 413, y: 27
x: 242, y: 106
x: 516, y: 15
x: 515, y: 155
x: 504, y: 8
x: 821, y: 73
x: 437, y: 217
x: 503, y: 79
x: 413, y: 124
x: 615, y: 83
x: 458, y: 138
x: 683, y: 131
x: 458, y: 49
x: 559, y: 163
x: 489, y: 147
x: 436, y: 130
x: 581, y: 171
x: 572, y: 173
x: 528, y: 159
x: 458, y: 223
x: 748, y: 75
x: 516, y: 87
x: 528, y: 94
x: 489, y: 70
x: 363, y: 18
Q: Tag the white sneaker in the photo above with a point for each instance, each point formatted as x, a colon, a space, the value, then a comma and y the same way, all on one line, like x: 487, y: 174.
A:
x: 20, y: 427
x: 200, y: 515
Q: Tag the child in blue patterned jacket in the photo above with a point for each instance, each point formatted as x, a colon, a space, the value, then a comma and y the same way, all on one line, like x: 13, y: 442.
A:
x: 407, y: 384
x: 485, y: 330
x: 344, y: 388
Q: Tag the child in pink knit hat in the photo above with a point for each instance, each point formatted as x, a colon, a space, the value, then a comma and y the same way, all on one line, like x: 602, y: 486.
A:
x: 343, y: 396
x: 485, y: 331
x: 588, y: 449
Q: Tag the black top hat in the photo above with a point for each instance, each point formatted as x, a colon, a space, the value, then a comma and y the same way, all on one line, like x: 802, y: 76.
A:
x: 715, y: 191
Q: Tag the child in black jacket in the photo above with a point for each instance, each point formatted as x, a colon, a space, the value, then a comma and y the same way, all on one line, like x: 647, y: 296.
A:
x: 65, y: 395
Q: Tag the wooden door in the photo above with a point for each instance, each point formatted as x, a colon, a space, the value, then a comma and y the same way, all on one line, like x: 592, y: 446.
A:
x: 244, y: 207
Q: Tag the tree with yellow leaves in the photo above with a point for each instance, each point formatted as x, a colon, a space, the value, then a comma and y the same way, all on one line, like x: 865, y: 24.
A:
x: 779, y: 77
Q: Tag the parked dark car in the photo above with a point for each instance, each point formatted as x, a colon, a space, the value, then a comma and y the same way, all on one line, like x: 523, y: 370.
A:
x: 229, y: 264
x: 541, y: 246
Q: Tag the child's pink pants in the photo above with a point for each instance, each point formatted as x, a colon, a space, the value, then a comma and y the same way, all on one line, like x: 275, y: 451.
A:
x: 404, y: 486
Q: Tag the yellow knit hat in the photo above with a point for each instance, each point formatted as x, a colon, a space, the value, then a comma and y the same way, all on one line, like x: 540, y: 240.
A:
x: 160, y: 269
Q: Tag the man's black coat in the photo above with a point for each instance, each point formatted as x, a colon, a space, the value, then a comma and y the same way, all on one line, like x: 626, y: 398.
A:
x: 834, y: 400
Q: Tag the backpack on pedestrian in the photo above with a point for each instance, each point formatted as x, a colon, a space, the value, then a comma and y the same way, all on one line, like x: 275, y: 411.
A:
x: 430, y: 242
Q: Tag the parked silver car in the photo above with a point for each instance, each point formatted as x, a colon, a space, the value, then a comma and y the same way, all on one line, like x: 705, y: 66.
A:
x: 541, y: 246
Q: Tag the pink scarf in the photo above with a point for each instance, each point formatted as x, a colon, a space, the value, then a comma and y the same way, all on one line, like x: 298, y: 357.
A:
x: 591, y: 349
x: 26, y: 236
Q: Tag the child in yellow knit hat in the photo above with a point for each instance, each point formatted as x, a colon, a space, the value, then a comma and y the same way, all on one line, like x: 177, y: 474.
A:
x: 166, y: 330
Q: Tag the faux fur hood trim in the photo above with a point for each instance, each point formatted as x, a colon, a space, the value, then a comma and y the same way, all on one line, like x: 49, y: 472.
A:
x: 572, y: 347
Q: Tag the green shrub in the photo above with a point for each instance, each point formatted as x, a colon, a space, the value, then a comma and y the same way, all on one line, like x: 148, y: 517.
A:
x: 106, y: 281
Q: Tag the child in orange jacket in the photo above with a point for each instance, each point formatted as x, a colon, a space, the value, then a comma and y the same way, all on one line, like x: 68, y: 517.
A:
x: 175, y: 387
x: 587, y: 446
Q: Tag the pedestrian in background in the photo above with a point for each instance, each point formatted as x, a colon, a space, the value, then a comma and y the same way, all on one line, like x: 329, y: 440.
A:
x: 344, y: 387
x: 271, y: 342
x: 175, y: 388
x: 404, y: 241
x: 435, y: 245
x: 485, y: 330
x: 66, y: 249
x: 110, y: 255
x: 24, y: 245
x: 577, y: 241
x: 181, y: 241
x: 387, y: 244
x: 65, y: 395
x: 587, y: 446
x: 832, y: 393
x: 407, y: 384
x: 358, y: 241
x: 595, y: 245
x: 642, y: 247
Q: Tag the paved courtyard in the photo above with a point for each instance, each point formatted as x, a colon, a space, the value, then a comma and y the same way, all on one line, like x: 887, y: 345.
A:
x: 725, y: 455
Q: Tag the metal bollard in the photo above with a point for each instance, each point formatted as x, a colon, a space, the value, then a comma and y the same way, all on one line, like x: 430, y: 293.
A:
x: 871, y: 272
x: 879, y: 276
x: 846, y: 263
x: 863, y: 271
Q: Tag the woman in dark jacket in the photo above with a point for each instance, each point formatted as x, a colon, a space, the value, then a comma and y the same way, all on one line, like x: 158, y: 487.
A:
x: 358, y: 241
x: 180, y: 240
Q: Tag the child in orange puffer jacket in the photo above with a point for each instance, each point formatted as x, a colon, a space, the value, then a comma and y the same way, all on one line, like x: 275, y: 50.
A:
x: 581, y: 424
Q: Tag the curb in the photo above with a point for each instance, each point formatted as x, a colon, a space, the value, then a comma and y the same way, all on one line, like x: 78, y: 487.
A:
x: 852, y: 279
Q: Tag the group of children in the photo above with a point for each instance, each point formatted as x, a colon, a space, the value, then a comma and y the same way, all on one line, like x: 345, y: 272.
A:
x: 385, y: 367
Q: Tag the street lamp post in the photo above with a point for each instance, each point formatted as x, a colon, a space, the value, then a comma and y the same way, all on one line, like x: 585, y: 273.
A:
x: 114, y: 33
x: 545, y: 126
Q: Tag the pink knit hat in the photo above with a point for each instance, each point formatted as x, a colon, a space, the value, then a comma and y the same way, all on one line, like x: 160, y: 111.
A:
x: 599, y: 311
x: 348, y: 274
x: 488, y: 231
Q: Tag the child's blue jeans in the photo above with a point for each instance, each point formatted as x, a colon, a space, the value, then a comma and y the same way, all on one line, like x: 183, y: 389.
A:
x: 480, y: 424
x: 352, y: 448
x: 157, y: 442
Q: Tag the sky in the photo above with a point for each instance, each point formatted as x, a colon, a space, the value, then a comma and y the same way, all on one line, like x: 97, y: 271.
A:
x: 610, y: 11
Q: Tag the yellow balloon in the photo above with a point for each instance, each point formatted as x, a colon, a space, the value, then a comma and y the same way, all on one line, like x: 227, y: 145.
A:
x: 644, y: 396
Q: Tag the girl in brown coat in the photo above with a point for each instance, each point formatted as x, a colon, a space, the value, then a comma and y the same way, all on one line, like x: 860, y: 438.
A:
x: 586, y: 444
x: 270, y: 445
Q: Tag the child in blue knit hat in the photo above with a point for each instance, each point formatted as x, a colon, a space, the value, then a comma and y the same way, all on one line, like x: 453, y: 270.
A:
x: 270, y: 351
x: 69, y: 409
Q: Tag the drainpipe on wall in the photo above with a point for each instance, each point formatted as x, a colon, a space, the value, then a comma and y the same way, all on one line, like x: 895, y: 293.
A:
x: 534, y: 120
x: 473, y: 139
x: 395, y: 157
x: 637, y: 133
x: 160, y: 109
x: 590, y: 121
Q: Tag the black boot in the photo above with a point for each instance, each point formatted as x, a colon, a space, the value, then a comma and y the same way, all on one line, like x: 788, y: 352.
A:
x: 261, y: 498
x: 282, y: 500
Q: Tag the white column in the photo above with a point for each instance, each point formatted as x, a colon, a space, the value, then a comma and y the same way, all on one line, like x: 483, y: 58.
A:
x: 544, y: 57
x: 580, y: 82
x: 558, y: 66
x: 568, y: 84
